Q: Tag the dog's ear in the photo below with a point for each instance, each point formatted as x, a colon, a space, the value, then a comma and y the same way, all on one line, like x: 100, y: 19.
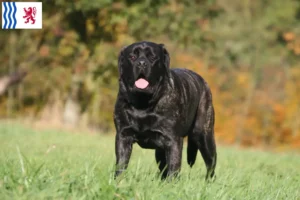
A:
x: 121, y: 60
x: 166, y: 56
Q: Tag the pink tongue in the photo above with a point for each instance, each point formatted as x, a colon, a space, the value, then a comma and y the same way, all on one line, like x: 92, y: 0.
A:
x: 141, y: 83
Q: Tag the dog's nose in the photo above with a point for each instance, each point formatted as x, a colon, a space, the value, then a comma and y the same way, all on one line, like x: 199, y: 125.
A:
x: 143, y: 63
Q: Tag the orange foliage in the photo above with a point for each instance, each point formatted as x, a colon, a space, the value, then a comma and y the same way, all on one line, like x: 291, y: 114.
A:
x: 293, y: 42
x: 273, y: 109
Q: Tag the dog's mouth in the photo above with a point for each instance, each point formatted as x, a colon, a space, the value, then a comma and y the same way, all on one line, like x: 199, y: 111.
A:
x: 141, y: 83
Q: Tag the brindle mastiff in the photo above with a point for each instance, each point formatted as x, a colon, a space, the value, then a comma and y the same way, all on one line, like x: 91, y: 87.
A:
x: 157, y: 107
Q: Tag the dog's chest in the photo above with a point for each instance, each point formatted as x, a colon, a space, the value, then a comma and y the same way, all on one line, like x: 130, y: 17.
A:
x: 146, y: 128
x: 142, y: 121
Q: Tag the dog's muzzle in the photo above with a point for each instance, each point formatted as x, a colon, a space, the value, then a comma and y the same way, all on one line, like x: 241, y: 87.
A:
x: 142, y: 71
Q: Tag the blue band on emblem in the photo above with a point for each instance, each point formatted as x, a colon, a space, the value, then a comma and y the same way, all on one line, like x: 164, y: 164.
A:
x: 5, y: 12
x: 14, y: 15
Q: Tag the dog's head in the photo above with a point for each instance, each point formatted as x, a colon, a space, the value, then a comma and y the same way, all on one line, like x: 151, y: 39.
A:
x: 143, y: 66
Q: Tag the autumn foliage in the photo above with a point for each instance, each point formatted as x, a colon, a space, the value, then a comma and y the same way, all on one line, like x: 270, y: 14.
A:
x: 247, y: 51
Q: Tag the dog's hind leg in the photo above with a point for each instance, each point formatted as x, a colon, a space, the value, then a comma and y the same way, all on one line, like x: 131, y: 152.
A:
x: 191, y: 151
x: 206, y: 144
x: 203, y: 133
x: 160, y: 157
x: 207, y: 148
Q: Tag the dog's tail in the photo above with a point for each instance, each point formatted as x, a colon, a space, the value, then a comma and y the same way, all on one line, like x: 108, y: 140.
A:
x: 191, y: 152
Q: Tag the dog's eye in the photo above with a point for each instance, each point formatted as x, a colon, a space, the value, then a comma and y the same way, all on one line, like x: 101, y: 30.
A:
x: 132, y: 57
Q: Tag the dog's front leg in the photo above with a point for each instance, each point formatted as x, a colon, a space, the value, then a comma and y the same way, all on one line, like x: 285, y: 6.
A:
x: 123, y: 152
x: 174, y: 154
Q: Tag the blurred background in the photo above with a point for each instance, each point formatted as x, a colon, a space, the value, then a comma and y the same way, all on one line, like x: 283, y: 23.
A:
x: 248, y: 51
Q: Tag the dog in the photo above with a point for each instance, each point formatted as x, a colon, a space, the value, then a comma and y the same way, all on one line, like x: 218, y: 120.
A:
x: 157, y: 107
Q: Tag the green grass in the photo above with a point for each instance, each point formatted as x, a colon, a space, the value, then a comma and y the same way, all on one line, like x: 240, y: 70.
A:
x: 59, y: 165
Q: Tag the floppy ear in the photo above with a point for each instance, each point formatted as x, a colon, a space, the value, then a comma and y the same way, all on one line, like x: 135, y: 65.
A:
x: 166, y: 56
x: 121, y: 60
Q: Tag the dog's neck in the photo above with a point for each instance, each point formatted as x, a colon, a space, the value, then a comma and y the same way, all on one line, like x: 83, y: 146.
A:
x: 143, y: 100
x: 140, y: 100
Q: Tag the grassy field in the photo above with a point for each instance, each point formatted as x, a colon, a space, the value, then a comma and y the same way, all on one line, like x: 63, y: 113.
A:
x: 59, y: 165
